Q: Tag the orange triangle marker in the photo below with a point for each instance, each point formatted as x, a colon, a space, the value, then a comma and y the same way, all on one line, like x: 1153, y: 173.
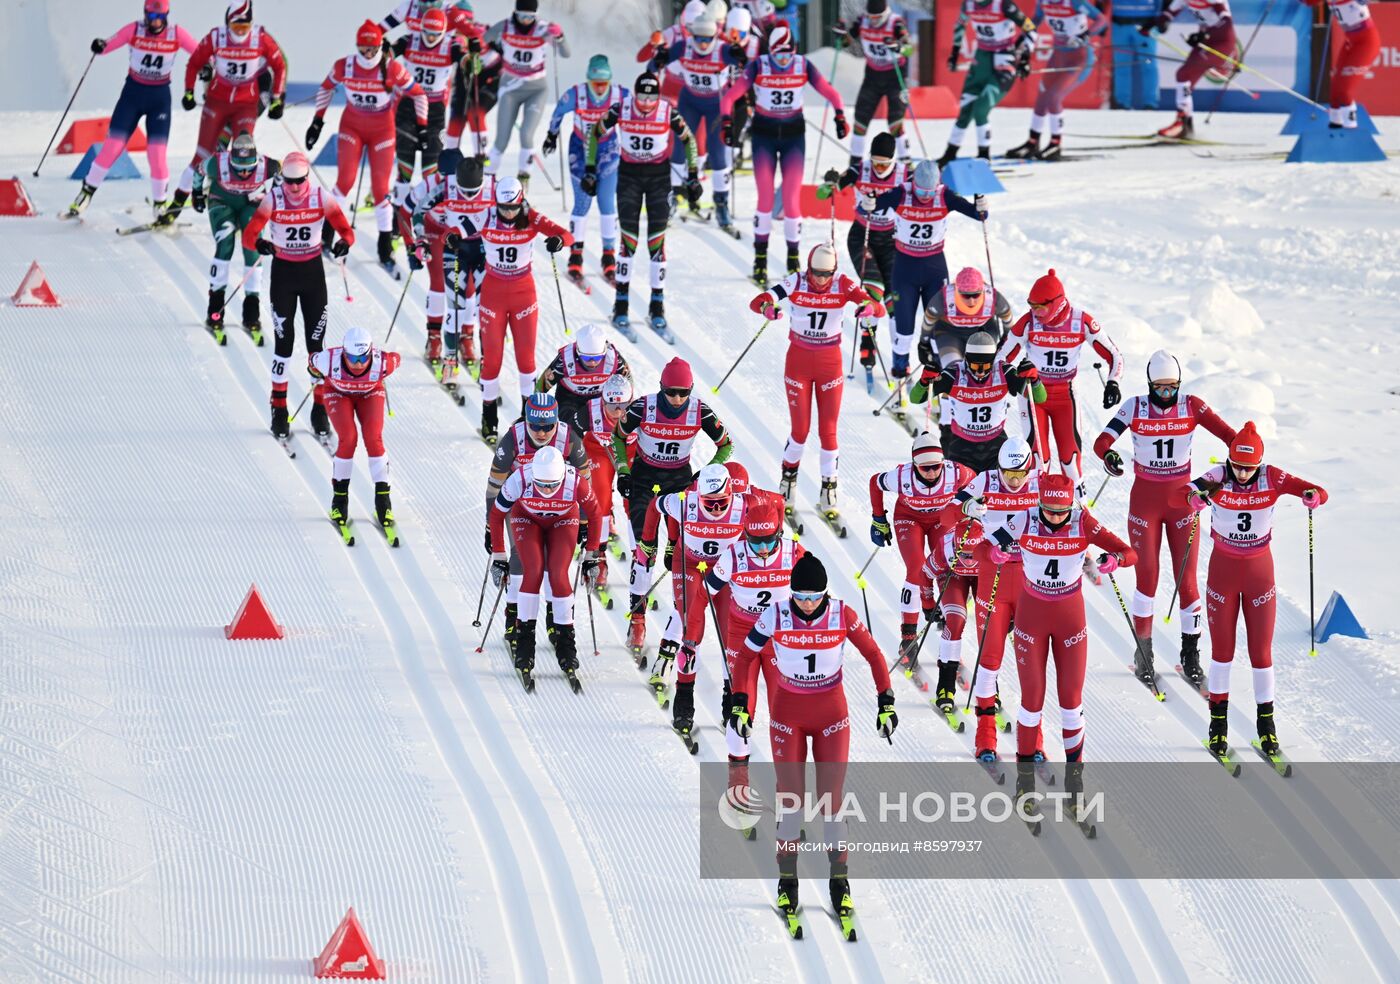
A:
x: 253, y: 620
x: 34, y: 290
x: 348, y: 955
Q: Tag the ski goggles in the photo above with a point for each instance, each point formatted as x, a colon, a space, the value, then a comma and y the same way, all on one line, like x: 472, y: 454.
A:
x: 511, y: 207
x: 677, y: 392
x: 541, y: 426
x: 357, y: 360
x: 763, y: 547
x: 928, y: 467
x: 808, y: 596
x: 155, y: 23
x: 297, y: 182
x: 548, y: 488
x: 591, y: 360
x: 980, y: 368
x: 368, y: 51
x: 968, y: 303
x: 1040, y: 305
x: 1165, y: 390
x: 1015, y: 474
x: 882, y: 166
x: 1055, y: 510
x: 820, y: 278
x: 714, y: 503
x: 241, y: 29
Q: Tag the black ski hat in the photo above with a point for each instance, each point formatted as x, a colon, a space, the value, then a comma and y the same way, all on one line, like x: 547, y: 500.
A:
x: 883, y: 145
x: 875, y: 6
x: 808, y: 574
x: 648, y: 85
x: 470, y: 173
x: 527, y: 6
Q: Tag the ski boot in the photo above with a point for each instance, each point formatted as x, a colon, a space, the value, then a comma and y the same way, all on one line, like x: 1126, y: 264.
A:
x: 512, y: 624
x: 1264, y: 722
x: 620, y: 304
x: 1025, y: 786
x: 550, y: 628
x: 386, y: 252
x: 610, y: 266
x: 524, y: 178
x: 340, y: 500
x: 489, y: 420
x: 985, y: 741
x: 252, y: 318
x: 867, y: 348
x: 566, y: 647
x: 281, y: 426
x: 656, y: 312
x: 637, y: 628
x: 841, y: 904
x: 1217, y: 738
x: 760, y: 263
x: 215, y: 316
x: 683, y: 707
x: 525, y: 653
x: 1142, y: 661
x: 171, y: 212
x: 575, y: 268
x: 1074, y: 787
x: 949, y: 155
x: 826, y: 501
x: 722, y: 218
x: 384, y: 512
x: 1027, y: 150
x: 320, y: 421
x: 985, y: 153
x: 448, y: 372
x: 1180, y: 128
x: 909, y: 644
x: 788, y: 903
x: 794, y: 258
x: 80, y: 203
x: 1052, y: 149
x: 432, y: 351
x: 1191, y: 658
x: 945, y: 699
x: 787, y: 483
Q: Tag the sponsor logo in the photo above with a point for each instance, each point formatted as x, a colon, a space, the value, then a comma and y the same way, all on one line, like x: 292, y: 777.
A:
x: 1215, y: 595
x: 841, y: 725
x: 1172, y: 426
x: 806, y: 638
x: 1137, y: 521
x: 779, y: 726
x: 1077, y: 638
x: 1022, y: 635
x: 830, y: 384
x: 740, y: 807
x: 1265, y: 598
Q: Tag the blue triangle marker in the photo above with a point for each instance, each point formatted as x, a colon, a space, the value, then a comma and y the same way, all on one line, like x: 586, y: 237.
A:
x: 1342, y: 146
x: 123, y: 168
x: 1338, y: 619
x: 1307, y: 117
x: 971, y: 176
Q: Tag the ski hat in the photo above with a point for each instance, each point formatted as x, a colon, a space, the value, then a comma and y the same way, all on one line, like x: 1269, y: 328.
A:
x: 471, y: 173
x: 780, y: 39
x: 738, y: 24
x: 969, y: 281
x: 509, y: 191
x: 531, y: 7
x: 1056, y: 493
x: 542, y: 411
x: 159, y: 7
x: 356, y: 344
x: 677, y: 375
x: 647, y: 87
x: 762, y: 520
x: 369, y: 35
x: 876, y: 6
x: 434, y: 22
x: 1015, y: 455
x: 1247, y: 447
x: 1163, y: 365
x: 704, y: 29
x: 599, y: 70
x: 808, y: 574
x: 927, y: 450
x: 738, y: 477
x: 240, y: 12
x: 591, y: 344
x: 243, y: 152
x: 821, y: 262
x: 926, y: 176
x: 1048, y: 291
x: 883, y: 145
x: 296, y: 168
x: 617, y: 390
x: 547, y: 466
x: 712, y: 487
x: 694, y: 10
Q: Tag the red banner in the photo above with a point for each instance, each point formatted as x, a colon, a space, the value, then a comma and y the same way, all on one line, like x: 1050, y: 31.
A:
x: 1092, y: 93
x: 1379, y: 89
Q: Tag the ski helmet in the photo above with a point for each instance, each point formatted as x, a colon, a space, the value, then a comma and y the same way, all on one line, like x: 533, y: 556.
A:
x: 591, y: 344
x: 357, y: 345
x: 677, y: 375
x: 470, y: 175
x: 547, y: 469
x: 1247, y: 447
x: 296, y: 168
x: 968, y: 289
x: 1056, y: 494
x: 1047, y: 300
x: 762, y: 523
x: 738, y: 24
x: 808, y: 575
x: 1015, y: 455
x: 693, y: 11
x: 821, y: 265
x: 541, y: 412
x: 432, y: 27
x: 713, y: 488
x: 599, y: 70
x: 156, y: 15
x: 926, y: 175
x: 738, y: 477
x: 646, y: 91
x: 980, y: 353
x: 716, y: 9
x: 510, y: 193
x: 243, y: 152
x: 617, y: 391
x: 927, y: 451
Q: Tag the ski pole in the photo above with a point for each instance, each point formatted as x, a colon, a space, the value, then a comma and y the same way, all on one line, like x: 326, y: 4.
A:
x: 592, y: 629
x: 982, y: 642
x: 1102, y: 486
x: 909, y: 107
x: 563, y: 189
x: 715, y: 389
x: 826, y: 111
x: 855, y: 344
x: 1312, y: 612
x: 295, y: 412
x: 893, y: 393
x: 345, y: 280
x: 1326, y: 50
x: 492, y: 620
x: 987, y: 246
x: 481, y: 599
x: 1220, y: 96
x: 554, y: 265
x: 868, y: 561
x: 1185, y: 559
x: 1244, y: 68
x: 246, y: 274
x: 355, y: 202
x: 81, y: 79
x: 397, y: 307
x: 1137, y: 643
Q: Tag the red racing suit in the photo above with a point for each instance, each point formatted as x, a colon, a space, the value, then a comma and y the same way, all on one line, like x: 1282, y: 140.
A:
x: 349, y: 398
x: 917, y: 523
x: 232, y: 97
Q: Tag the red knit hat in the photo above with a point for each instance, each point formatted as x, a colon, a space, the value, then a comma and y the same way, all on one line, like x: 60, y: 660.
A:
x: 1248, y: 447
x: 1049, y: 291
x: 762, y: 519
x: 677, y: 375
x: 1056, y: 492
x: 369, y: 34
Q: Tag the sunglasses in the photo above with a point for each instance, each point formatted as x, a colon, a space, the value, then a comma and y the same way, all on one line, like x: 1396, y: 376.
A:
x: 508, y: 207
x: 590, y: 359
x: 714, y: 502
x: 1165, y: 389
x: 1056, y: 510
x: 294, y: 181
x: 1038, y: 305
x: 369, y: 50
x: 542, y: 428
x: 821, y: 274
x: 547, y: 486
x: 808, y: 595
x: 925, y: 466
x: 1016, y: 474
x: 676, y: 392
x: 357, y: 360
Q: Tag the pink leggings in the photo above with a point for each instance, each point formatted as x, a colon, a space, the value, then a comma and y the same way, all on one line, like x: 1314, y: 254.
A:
x: 767, y: 151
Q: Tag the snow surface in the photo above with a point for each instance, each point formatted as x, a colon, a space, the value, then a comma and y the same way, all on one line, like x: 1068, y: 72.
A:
x: 175, y: 807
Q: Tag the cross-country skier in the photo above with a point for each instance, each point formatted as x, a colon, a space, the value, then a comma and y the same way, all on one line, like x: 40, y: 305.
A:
x: 1162, y: 423
x: 475, y: 84
x: 923, y: 486
x: 589, y: 102
x: 779, y: 137
x: 1004, y: 38
x: 1073, y: 25
x: 1217, y: 32
x: 374, y: 83
x: 1353, y: 62
x: 1054, y: 334
x: 596, y: 421
x: 951, y: 567
x: 805, y: 638
x: 1242, y: 495
x: 239, y: 51
x: 883, y: 39
x: 579, y: 369
x: 546, y: 500
x: 353, y: 373
x: 646, y: 125
x: 966, y: 306
x: 524, y: 42
x: 154, y: 43
x: 1000, y: 498
x: 666, y: 424
x: 239, y: 179
x: 815, y: 302
x: 1054, y: 542
x: 430, y: 55
x: 295, y: 214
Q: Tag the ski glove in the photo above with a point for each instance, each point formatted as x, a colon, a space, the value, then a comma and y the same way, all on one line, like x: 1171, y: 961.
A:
x: 624, y: 485
x: 1113, y: 463
x: 1197, y: 500
x: 886, y: 720
x: 842, y: 127
x: 1312, y: 499
x: 693, y: 190
x: 1108, y: 563
x: 595, y: 569
x: 420, y: 133
x: 551, y: 141
x: 340, y: 249
x: 452, y: 241
x: 832, y: 176
x: 266, y: 248
x: 880, y: 530
x: 974, y: 509
x: 867, y: 348
x: 1195, y: 38
x: 488, y: 540
x: 199, y: 199
x: 500, y: 569
x: 927, y: 374
x: 730, y: 131
x: 736, y: 715
x: 274, y: 108
x: 645, y: 554
x: 313, y: 132
x: 1112, y: 395
x: 980, y: 202
x: 416, y: 252
x: 187, y: 100
x: 588, y: 184
x: 668, y: 557
x: 554, y: 243
x: 770, y: 311
x: 98, y: 46
x: 998, y: 556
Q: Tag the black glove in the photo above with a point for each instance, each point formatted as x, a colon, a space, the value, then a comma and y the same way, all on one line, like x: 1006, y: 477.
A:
x: 1113, y: 463
x: 736, y: 714
x: 207, y: 72
x: 582, y: 532
x: 554, y: 243
x: 738, y: 53
x: 488, y: 539
x: 661, y: 58
x: 187, y: 100
x: 340, y: 249
x: 1023, y: 63
x: 588, y: 184
x: 199, y: 199
x: 386, y: 47
x: 842, y: 127
x: 313, y: 132
x: 953, y: 60
x: 729, y: 131
x: 551, y: 141
x: 452, y: 241
x: 867, y: 348
x: 500, y: 570
x: 274, y: 108
x: 266, y: 248
x: 693, y: 190
x: 1112, y: 396
x: 925, y: 352
x: 832, y: 176
x: 592, y: 565
x: 668, y: 555
x: 1195, y: 38
x: 98, y: 46
x: 474, y: 45
x: 420, y: 133
x: 624, y: 485
x: 886, y: 720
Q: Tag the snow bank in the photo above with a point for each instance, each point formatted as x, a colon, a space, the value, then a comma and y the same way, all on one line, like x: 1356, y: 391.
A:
x: 1220, y: 310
